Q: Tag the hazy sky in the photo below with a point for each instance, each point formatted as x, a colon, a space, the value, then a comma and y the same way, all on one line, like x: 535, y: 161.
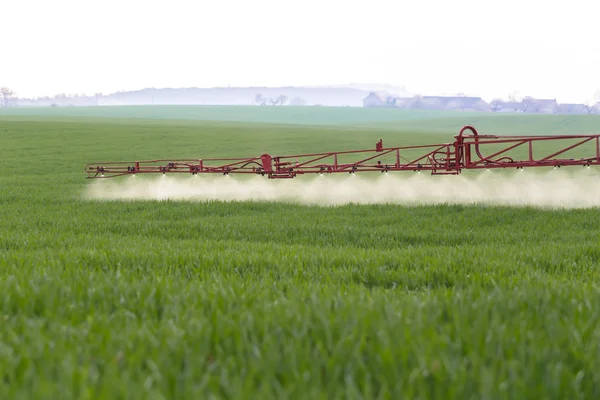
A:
x: 542, y: 48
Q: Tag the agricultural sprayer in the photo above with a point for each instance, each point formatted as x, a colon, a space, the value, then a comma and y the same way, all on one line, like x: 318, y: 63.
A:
x: 470, y: 150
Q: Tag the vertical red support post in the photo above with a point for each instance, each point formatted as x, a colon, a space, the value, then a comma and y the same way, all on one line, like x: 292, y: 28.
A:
x: 466, y: 155
x: 598, y: 149
x: 397, y: 158
x: 335, y: 164
x: 137, y: 165
x: 458, y: 145
x: 530, y: 151
x: 200, y: 165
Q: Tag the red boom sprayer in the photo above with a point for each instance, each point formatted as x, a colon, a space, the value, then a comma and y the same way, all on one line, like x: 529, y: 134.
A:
x: 440, y: 159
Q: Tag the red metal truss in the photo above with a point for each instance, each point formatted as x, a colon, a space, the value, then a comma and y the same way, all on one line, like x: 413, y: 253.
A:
x: 448, y: 158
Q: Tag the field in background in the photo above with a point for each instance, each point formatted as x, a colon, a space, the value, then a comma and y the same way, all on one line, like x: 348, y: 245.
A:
x: 181, y: 299
x: 437, y: 121
x: 279, y: 115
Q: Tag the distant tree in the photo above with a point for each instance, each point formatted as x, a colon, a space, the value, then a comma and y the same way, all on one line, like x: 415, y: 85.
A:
x: 6, y: 95
x: 297, y: 101
x: 259, y: 99
x: 496, y: 104
x: 282, y: 99
x: 528, y: 104
x: 591, y: 106
x: 60, y: 98
x: 417, y: 102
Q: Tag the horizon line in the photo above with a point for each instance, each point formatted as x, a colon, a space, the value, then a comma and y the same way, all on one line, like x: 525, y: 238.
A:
x: 321, y: 86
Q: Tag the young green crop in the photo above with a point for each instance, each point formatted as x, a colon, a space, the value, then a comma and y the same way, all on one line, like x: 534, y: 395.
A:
x: 149, y: 299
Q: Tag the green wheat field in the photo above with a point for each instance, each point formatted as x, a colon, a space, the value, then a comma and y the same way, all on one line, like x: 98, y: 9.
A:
x: 258, y: 300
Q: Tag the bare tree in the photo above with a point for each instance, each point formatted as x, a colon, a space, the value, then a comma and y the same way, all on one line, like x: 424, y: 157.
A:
x: 592, y: 107
x: 60, y: 98
x: 260, y: 99
x: 282, y: 99
x: 496, y: 105
x: 417, y: 102
x: 6, y: 95
x: 528, y: 104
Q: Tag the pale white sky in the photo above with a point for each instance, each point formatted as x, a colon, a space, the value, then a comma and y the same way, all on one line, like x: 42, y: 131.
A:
x: 547, y: 49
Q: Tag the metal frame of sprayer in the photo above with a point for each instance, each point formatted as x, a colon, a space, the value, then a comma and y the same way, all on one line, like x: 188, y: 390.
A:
x: 440, y: 159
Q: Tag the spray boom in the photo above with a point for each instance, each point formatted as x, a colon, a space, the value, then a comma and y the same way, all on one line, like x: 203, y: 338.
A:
x: 439, y: 159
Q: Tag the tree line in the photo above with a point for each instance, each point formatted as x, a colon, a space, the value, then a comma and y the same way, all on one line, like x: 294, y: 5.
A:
x: 262, y: 100
x: 6, y: 95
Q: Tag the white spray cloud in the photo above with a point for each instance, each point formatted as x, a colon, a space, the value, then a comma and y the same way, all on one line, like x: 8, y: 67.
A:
x: 554, y: 188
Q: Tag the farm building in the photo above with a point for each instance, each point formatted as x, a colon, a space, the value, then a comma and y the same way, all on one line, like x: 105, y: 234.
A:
x: 465, y: 103
x: 542, y: 106
x: 507, y: 106
x: 379, y: 100
x: 573, y: 109
x: 462, y: 103
x: 468, y: 104
x: 406, y: 102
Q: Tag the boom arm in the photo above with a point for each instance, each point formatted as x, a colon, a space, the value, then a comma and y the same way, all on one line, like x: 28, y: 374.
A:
x: 440, y: 159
